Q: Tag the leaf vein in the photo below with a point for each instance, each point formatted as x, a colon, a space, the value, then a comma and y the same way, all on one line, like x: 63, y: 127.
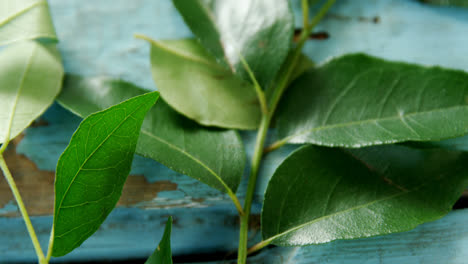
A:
x: 85, y: 161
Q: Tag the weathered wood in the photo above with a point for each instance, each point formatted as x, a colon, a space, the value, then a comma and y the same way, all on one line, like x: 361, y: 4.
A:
x: 37, y: 186
x: 96, y: 38
x: 131, y: 233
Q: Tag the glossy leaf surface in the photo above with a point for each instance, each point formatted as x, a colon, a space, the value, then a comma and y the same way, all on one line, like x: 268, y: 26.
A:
x: 318, y: 194
x: 25, y: 19
x: 215, y: 157
x: 93, y: 169
x: 163, y: 254
x: 260, y: 31
x: 191, y: 81
x: 357, y: 100
x: 30, y: 78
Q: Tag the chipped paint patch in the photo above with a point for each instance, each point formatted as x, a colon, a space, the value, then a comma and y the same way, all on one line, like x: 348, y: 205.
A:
x: 37, y: 186
x: 9, y: 209
x: 177, y: 199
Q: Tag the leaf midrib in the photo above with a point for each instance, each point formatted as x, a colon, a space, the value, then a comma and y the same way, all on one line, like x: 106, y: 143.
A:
x: 94, y: 151
x: 186, y: 56
x: 190, y: 156
x: 360, y: 122
x: 18, y: 93
x: 21, y: 12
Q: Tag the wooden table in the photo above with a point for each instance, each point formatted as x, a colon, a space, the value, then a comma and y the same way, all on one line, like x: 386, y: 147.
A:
x: 97, y: 39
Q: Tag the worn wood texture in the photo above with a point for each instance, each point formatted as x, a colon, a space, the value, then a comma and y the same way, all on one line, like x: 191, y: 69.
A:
x: 96, y: 39
x: 37, y: 186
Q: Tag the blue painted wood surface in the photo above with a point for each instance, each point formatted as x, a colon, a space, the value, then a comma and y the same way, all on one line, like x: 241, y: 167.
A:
x: 97, y: 38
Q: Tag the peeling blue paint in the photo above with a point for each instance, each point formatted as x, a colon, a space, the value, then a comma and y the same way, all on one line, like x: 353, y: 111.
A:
x: 96, y: 38
x: 9, y: 208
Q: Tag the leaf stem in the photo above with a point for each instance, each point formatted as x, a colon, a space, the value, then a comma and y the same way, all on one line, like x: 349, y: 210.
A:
x: 259, y: 246
x: 51, y: 246
x: 24, y: 213
x: 276, y: 145
x: 278, y: 91
x: 258, y: 88
x: 256, y: 160
x: 236, y: 202
x: 305, y: 13
x: 292, y: 61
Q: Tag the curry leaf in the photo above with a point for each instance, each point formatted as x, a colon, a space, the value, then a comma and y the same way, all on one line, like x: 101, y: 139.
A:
x: 93, y: 169
x: 30, y: 78
x: 191, y: 81
x: 163, y: 254
x: 320, y: 194
x: 260, y: 31
x: 25, y: 19
x: 215, y: 157
x: 302, y: 66
x: 357, y: 100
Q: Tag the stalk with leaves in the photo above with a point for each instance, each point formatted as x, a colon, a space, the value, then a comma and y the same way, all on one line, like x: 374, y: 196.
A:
x: 244, y: 71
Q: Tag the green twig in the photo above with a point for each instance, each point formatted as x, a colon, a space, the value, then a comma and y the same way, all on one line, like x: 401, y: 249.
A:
x: 291, y: 63
x: 305, y: 13
x: 256, y: 160
x: 292, y: 60
x: 24, y: 213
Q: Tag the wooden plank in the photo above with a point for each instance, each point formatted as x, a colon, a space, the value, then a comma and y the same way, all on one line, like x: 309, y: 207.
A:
x: 96, y: 38
x: 132, y: 233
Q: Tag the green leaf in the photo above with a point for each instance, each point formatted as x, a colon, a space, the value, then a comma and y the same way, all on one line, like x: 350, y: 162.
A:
x: 318, y: 194
x: 303, y: 65
x: 92, y: 171
x: 191, y: 81
x: 163, y: 254
x: 357, y: 100
x: 215, y: 157
x: 30, y: 78
x: 25, y: 19
x: 260, y: 31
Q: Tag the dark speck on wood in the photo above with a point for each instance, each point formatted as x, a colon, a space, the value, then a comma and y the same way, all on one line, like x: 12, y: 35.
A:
x: 39, y: 122
x: 320, y: 35
x: 374, y: 20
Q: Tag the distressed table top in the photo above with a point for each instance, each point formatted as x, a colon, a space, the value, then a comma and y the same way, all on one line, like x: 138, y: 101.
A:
x: 97, y: 39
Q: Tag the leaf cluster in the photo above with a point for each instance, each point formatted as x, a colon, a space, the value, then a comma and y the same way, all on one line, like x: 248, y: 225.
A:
x: 356, y: 172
